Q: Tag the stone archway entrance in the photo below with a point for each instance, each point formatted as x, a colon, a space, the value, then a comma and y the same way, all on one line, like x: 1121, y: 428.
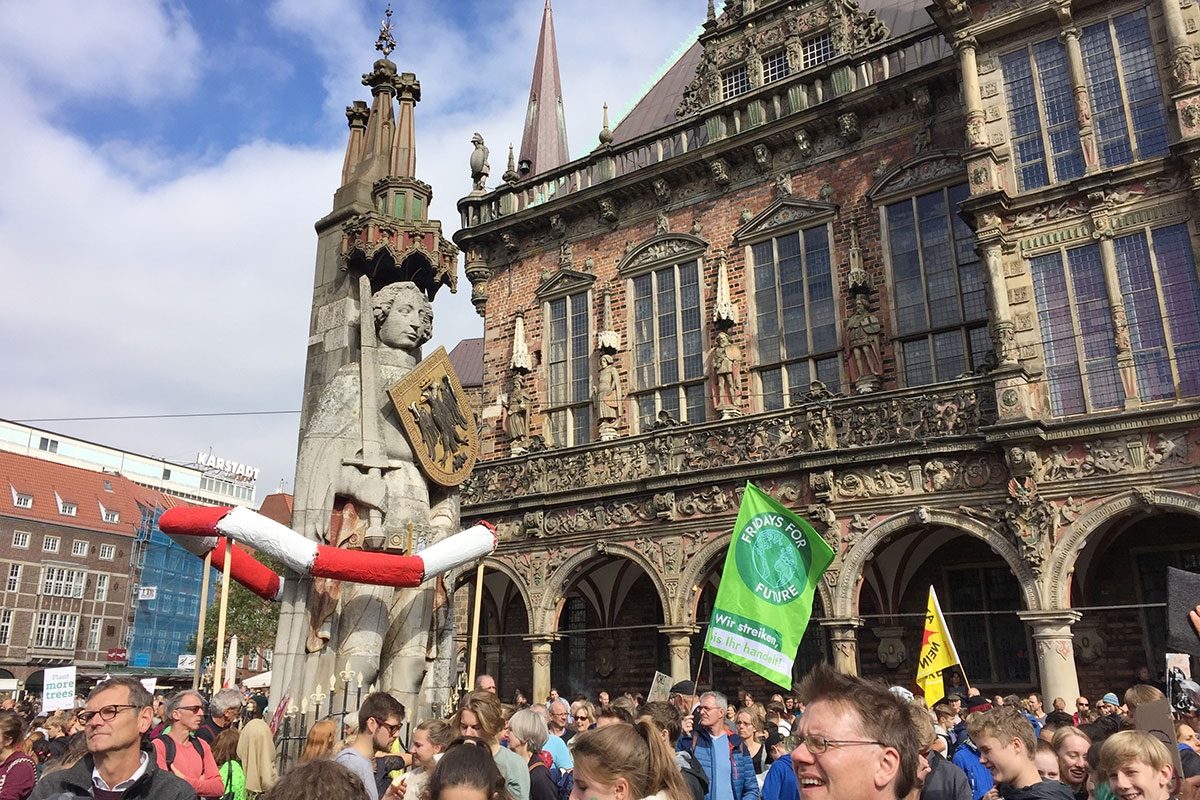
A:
x: 1120, y: 585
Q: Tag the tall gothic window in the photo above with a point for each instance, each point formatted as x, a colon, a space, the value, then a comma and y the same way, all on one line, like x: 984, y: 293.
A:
x: 1129, y: 118
x: 668, y: 353
x: 568, y: 371
x: 940, y: 308
x: 796, y: 324
x: 1157, y: 279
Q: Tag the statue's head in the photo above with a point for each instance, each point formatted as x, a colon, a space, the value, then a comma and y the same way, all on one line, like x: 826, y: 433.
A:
x: 403, y: 315
x: 477, y: 140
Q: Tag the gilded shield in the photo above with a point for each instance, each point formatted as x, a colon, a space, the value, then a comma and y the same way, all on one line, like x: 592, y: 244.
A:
x: 440, y: 426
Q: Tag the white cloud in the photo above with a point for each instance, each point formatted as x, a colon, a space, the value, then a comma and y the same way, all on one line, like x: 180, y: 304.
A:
x: 136, y: 50
x: 192, y: 292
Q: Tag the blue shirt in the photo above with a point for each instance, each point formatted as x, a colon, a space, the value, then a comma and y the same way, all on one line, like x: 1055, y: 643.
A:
x: 559, y: 751
x: 721, y: 785
x: 780, y: 782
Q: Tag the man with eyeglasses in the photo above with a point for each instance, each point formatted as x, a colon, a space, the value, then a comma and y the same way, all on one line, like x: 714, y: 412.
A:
x: 724, y: 757
x: 180, y: 752
x: 117, y: 713
x: 857, y: 740
x: 379, y: 719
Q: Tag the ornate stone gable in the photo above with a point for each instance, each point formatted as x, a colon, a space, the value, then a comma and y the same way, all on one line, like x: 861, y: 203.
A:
x: 661, y: 248
x: 929, y: 169
x: 563, y: 282
x: 785, y: 213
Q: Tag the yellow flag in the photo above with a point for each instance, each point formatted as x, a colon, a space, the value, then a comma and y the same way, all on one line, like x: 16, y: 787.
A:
x: 937, y: 649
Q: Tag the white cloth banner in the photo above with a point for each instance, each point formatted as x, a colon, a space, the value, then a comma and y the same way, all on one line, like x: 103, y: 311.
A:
x: 58, y: 691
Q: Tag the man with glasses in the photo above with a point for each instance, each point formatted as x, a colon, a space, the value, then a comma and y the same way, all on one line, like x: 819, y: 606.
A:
x: 224, y: 710
x: 379, y: 719
x: 180, y: 752
x: 724, y: 757
x: 117, y: 713
x: 1081, y: 708
x: 856, y: 740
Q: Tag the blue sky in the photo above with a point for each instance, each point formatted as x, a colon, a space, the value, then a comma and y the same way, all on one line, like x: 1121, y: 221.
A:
x: 163, y: 164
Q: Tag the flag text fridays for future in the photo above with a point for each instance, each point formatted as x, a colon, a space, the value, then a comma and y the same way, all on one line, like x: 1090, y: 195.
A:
x: 765, y: 598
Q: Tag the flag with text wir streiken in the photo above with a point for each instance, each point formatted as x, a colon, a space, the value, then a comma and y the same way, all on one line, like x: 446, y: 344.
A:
x: 765, y: 598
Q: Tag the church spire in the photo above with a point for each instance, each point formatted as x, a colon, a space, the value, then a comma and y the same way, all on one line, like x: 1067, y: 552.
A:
x: 544, y: 143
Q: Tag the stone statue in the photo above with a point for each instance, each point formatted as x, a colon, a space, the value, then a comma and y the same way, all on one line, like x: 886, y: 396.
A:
x: 359, y: 481
x: 723, y: 372
x: 863, y: 331
x: 516, y: 409
x: 607, y: 399
x: 480, y: 168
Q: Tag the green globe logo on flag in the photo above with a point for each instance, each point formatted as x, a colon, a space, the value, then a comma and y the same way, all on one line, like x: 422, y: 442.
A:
x: 765, y: 598
x: 772, y: 558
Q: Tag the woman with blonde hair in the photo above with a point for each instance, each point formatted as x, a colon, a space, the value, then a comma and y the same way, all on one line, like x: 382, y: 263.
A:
x: 626, y: 762
x: 1071, y: 745
x: 481, y: 716
x: 321, y: 743
x: 751, y: 728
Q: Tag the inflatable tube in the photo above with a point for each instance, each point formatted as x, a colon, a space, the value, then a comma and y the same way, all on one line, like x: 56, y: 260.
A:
x: 306, y: 557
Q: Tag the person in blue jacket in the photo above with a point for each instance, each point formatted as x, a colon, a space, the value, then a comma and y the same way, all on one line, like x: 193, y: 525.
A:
x: 724, y: 757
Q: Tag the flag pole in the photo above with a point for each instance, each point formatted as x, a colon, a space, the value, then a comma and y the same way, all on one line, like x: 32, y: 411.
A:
x: 218, y: 667
x: 475, y: 626
x: 200, y: 630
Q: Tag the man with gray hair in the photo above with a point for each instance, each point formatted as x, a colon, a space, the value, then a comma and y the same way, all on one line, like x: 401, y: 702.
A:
x: 723, y: 755
x: 223, y: 710
x: 118, y: 712
x: 556, y: 746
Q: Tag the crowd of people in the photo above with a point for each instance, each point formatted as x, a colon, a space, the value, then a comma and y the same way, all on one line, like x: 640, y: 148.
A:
x: 836, y: 737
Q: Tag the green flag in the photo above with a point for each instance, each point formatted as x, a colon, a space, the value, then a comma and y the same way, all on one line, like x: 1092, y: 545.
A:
x: 766, y: 594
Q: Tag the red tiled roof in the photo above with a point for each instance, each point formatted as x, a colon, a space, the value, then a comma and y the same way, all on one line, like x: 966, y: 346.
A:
x: 85, y: 488
x: 277, y: 507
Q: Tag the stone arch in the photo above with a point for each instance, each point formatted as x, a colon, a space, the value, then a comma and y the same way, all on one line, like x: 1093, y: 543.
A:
x: 462, y: 576
x: 703, y: 561
x: 544, y: 618
x: 661, y: 248
x: 846, y: 595
x: 1068, y: 549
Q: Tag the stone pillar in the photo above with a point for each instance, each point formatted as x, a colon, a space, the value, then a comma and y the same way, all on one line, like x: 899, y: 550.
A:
x: 1083, y: 106
x: 976, y: 135
x: 1004, y: 334
x: 1116, y: 302
x: 844, y: 643
x: 1054, y: 644
x: 679, y: 639
x: 540, y: 646
x: 1181, y: 50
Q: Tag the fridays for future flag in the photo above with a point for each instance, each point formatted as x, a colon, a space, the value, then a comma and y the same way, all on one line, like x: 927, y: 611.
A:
x: 765, y: 598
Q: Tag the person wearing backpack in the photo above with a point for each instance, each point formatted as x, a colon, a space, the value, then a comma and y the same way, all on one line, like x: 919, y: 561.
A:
x: 225, y: 753
x: 179, y: 751
x: 527, y: 734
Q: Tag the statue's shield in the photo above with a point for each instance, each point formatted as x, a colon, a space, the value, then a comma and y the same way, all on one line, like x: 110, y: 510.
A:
x: 440, y: 425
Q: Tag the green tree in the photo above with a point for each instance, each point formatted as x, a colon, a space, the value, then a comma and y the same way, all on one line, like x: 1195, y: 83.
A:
x: 253, y: 620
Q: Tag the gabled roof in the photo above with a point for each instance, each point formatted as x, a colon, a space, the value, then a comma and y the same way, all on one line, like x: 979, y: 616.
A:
x: 657, y: 107
x: 467, y: 360
x: 277, y: 507
x: 90, y: 492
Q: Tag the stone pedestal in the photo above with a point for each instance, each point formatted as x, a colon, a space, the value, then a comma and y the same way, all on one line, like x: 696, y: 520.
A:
x: 844, y: 643
x: 679, y: 639
x: 540, y: 647
x: 1054, y: 643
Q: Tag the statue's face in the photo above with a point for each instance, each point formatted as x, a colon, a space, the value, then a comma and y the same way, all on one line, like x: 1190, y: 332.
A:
x: 406, y: 326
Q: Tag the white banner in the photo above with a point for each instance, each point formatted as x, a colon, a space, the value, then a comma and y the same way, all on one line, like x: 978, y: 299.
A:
x: 58, y: 691
x: 150, y: 683
x: 148, y: 593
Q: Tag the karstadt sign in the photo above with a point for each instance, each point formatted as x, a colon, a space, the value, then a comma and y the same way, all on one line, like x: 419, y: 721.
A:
x: 229, y: 469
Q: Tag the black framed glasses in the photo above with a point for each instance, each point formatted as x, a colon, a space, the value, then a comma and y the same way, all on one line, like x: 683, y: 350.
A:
x: 820, y: 744
x: 107, y: 713
x: 391, y: 729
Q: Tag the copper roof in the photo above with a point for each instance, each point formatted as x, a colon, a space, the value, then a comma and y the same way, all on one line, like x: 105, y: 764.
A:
x: 544, y: 142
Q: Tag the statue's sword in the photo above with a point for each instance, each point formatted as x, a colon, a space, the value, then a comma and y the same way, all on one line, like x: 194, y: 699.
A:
x: 374, y: 458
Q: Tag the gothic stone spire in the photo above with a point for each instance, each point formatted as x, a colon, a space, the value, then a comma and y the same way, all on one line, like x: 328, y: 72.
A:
x: 544, y: 142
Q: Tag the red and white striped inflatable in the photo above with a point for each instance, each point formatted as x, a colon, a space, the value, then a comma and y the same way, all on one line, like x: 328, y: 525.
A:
x: 203, y: 529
